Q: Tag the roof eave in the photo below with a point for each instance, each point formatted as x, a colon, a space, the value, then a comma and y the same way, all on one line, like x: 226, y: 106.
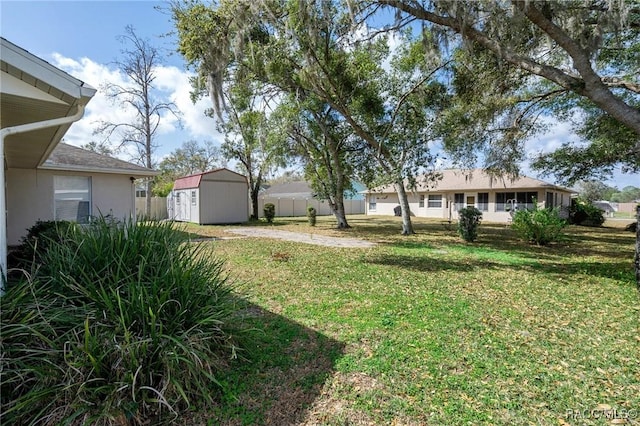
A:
x: 73, y: 168
x: 45, y: 72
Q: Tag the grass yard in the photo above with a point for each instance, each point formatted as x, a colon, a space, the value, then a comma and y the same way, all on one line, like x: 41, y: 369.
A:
x: 430, y: 330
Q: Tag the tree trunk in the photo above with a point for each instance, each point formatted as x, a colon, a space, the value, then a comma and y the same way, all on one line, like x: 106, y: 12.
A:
x: 254, y: 188
x: 338, y: 209
x: 254, y: 202
x: 407, y: 226
x: 339, y: 212
x: 637, y: 258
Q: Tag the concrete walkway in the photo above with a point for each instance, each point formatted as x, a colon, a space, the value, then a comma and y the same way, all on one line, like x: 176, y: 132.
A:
x: 299, y: 237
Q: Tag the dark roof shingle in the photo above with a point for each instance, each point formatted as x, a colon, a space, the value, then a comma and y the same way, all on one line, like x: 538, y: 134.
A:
x: 69, y: 157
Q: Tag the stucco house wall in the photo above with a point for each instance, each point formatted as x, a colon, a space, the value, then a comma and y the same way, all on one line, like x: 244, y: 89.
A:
x: 30, y: 194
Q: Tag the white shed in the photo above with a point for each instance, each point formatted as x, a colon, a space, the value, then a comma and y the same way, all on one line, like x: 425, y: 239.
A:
x: 214, y: 197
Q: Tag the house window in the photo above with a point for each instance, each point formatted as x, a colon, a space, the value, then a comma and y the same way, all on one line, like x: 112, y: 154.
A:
x: 434, y: 201
x: 458, y: 201
x: 421, y: 201
x: 72, y: 198
x: 372, y: 202
x: 194, y: 200
x: 549, y: 203
x: 483, y: 201
x: 505, y: 201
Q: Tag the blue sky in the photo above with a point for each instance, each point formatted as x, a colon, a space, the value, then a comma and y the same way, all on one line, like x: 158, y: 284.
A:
x: 80, y: 37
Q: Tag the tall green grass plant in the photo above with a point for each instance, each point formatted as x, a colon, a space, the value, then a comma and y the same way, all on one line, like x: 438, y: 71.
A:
x: 120, y: 324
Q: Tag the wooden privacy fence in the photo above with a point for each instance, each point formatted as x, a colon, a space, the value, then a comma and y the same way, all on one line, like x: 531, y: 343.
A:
x: 298, y: 206
x: 158, y: 207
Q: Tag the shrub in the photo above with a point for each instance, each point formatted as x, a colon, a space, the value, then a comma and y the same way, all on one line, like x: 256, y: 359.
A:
x: 126, y: 324
x: 469, y: 220
x: 539, y: 226
x: 311, y: 215
x: 269, y: 211
x: 584, y: 213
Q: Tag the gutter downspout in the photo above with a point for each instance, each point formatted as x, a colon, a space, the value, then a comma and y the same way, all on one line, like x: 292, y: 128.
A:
x: 22, y: 128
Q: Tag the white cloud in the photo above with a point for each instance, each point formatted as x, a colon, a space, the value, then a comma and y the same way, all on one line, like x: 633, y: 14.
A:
x: 171, y: 83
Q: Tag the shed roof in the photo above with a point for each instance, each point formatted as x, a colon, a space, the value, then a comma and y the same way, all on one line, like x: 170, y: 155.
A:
x: 193, y: 181
x: 471, y: 180
x: 72, y: 158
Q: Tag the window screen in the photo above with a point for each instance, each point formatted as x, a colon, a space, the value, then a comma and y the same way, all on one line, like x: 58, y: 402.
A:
x: 434, y: 201
x: 72, y: 198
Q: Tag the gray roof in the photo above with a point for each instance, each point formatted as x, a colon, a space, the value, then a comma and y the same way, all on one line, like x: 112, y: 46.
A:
x: 71, y: 158
x: 604, y: 205
x: 476, y: 179
x: 299, y: 189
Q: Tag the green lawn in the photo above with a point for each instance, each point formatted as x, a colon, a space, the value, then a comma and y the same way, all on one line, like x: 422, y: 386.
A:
x: 427, y: 329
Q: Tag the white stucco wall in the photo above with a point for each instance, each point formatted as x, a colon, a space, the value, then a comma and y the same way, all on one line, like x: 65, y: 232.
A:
x: 30, y: 197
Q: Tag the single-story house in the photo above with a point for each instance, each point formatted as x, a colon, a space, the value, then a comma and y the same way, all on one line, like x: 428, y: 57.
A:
x: 214, y: 197
x: 293, y: 199
x: 495, y: 197
x: 42, y: 179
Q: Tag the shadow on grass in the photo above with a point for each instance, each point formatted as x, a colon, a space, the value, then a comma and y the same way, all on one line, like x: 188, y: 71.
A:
x: 421, y: 264
x: 478, y: 258
x: 285, y: 367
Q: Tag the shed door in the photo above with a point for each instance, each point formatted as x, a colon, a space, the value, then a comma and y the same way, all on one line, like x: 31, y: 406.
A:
x: 183, y: 206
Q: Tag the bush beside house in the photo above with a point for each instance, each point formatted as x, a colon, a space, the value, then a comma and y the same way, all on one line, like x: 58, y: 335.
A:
x: 539, y: 226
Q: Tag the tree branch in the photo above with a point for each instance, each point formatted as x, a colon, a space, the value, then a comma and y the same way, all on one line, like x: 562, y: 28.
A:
x: 618, y: 82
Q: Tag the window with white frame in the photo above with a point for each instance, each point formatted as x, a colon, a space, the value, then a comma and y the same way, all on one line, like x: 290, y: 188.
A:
x: 421, y: 201
x: 434, y: 201
x: 372, y: 202
x: 194, y: 200
x: 72, y: 198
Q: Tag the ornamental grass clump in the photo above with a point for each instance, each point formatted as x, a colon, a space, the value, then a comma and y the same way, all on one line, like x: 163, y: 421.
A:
x: 119, y: 324
x: 539, y: 226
